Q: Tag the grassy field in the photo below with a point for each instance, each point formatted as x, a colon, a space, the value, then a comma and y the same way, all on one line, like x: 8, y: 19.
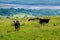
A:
x: 30, y: 30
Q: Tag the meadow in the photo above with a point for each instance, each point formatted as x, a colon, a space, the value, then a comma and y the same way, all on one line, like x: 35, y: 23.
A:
x: 30, y: 30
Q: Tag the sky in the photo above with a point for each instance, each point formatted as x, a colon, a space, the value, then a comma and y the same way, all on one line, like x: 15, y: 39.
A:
x: 31, y: 4
x: 40, y: 2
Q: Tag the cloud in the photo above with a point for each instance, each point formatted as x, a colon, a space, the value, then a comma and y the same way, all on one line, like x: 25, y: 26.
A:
x: 40, y: 2
x: 28, y: 6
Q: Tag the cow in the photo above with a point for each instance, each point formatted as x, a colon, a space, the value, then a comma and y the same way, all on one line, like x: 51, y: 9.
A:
x: 37, y: 18
x: 31, y: 19
x: 41, y: 21
x: 17, y: 25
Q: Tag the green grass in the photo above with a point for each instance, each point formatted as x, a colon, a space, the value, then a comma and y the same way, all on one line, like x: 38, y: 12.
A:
x: 30, y: 30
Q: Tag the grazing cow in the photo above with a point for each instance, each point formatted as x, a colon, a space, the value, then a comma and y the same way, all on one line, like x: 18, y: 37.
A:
x: 31, y: 19
x: 17, y: 25
x: 41, y: 21
x: 37, y: 18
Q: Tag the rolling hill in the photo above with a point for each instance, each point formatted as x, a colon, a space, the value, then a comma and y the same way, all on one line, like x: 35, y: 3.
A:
x: 21, y: 12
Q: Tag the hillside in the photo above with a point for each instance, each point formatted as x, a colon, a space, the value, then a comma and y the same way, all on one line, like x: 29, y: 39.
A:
x: 28, y: 12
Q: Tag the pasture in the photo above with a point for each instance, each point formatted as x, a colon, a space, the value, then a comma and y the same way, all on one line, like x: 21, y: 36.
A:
x: 30, y: 30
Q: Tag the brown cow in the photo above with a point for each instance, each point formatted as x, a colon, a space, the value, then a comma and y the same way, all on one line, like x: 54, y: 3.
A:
x: 37, y: 18
x: 33, y: 19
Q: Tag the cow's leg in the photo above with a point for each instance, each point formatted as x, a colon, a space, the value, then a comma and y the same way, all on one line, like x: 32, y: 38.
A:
x: 42, y: 23
x: 18, y: 28
x: 15, y: 28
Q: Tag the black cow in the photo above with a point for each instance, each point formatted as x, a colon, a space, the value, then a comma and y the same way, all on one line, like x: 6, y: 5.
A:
x: 17, y: 25
x: 41, y: 21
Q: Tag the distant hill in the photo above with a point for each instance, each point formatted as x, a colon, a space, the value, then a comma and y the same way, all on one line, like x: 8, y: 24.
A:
x: 28, y: 12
